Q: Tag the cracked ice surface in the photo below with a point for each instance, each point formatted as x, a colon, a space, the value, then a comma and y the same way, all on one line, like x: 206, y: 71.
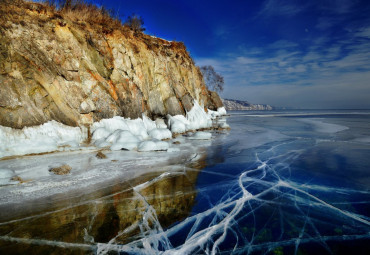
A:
x: 260, y: 199
x: 273, y: 185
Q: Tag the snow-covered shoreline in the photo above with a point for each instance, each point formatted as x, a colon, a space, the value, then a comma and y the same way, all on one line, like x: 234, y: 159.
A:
x: 116, y: 133
x: 137, y: 137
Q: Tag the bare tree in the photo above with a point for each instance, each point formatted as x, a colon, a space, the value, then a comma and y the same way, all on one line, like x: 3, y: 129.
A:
x: 213, y: 80
x: 135, y: 22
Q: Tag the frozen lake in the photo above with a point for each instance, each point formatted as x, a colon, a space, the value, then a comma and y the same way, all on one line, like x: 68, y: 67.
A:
x: 289, y: 182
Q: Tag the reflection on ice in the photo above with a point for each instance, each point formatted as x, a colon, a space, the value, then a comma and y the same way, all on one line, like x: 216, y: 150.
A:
x: 263, y: 210
x: 119, y: 213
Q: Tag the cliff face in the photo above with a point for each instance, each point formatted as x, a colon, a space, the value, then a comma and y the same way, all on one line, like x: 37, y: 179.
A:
x: 237, y: 105
x: 53, y: 68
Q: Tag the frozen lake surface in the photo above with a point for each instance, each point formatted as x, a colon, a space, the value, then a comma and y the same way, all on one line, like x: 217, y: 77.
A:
x: 293, y: 182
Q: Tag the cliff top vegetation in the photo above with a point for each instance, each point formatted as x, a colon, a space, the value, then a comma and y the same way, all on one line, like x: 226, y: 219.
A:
x: 76, y: 11
x: 92, y: 19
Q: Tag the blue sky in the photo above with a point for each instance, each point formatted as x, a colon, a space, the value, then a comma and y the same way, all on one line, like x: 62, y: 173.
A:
x: 308, y: 54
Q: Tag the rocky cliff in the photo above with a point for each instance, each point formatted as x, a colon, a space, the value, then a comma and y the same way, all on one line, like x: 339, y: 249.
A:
x: 54, y: 67
x: 231, y: 104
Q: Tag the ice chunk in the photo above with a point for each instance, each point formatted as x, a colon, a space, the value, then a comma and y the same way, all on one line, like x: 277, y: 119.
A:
x: 137, y: 128
x: 101, y: 143
x: 127, y: 137
x: 160, y: 133
x: 216, y: 114
x: 153, y: 146
x: 201, y: 136
x: 123, y: 139
x: 111, y: 124
x: 195, y: 119
x: 100, y: 133
x: 222, y: 111
x: 177, y: 124
x: 112, y: 138
x: 48, y: 137
x: 149, y: 124
x: 198, y: 118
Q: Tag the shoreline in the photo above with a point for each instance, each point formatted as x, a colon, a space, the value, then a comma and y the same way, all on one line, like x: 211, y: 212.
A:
x: 89, y: 171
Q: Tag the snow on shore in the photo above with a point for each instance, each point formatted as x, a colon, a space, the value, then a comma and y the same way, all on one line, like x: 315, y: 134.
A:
x: 51, y: 136
x: 117, y: 133
x: 137, y: 137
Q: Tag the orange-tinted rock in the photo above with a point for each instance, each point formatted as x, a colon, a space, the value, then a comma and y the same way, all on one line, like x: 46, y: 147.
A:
x: 52, y: 68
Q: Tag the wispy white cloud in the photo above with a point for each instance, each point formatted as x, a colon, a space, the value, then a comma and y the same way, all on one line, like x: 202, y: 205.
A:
x: 335, y: 74
x: 221, y: 31
x: 348, y: 91
x: 324, y: 23
x: 337, y: 6
x: 282, y: 44
x: 279, y: 8
x: 363, y: 32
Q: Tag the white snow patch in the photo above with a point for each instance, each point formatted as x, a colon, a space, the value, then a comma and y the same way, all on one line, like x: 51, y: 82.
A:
x: 100, y: 133
x: 149, y: 124
x: 136, y: 127
x: 116, y: 133
x: 198, y: 118
x: 160, y: 133
x: 222, y: 111
x: 123, y: 139
x: 153, y: 146
x: 110, y: 125
x: 177, y: 124
x: 195, y: 119
x: 119, y: 133
x: 216, y: 114
x: 48, y: 137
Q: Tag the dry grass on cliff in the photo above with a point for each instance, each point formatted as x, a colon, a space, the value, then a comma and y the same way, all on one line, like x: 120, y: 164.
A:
x: 81, y: 12
x: 88, y: 17
x: 77, y: 11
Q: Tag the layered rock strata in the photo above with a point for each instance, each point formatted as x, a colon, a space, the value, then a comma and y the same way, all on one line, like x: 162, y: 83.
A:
x: 53, y: 68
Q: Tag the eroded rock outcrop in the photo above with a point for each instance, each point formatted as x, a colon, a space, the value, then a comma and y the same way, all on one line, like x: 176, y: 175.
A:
x: 52, y: 68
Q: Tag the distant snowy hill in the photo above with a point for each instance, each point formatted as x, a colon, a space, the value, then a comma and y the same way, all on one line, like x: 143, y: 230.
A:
x: 232, y: 104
